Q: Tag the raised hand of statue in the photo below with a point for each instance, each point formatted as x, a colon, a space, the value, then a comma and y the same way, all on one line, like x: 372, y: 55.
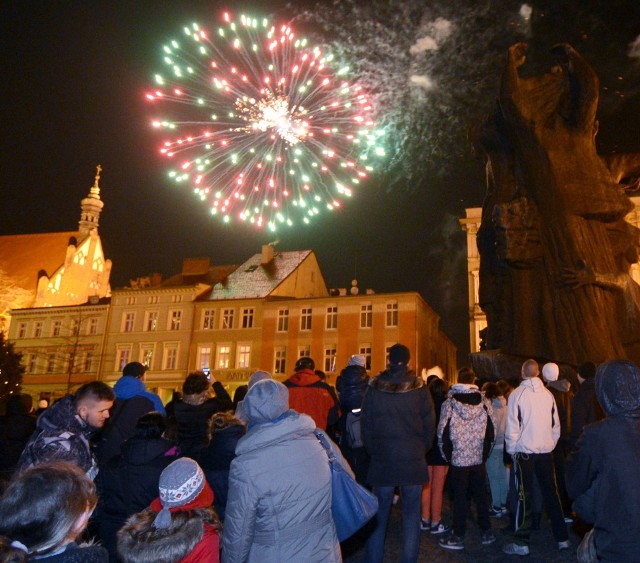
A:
x: 517, y: 54
x: 574, y: 278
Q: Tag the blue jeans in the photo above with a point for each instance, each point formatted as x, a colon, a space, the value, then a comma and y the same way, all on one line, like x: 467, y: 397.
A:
x: 497, y: 477
x: 410, y: 502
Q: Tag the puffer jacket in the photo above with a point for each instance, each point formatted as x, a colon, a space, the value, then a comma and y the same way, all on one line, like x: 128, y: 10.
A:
x: 351, y: 385
x: 466, y: 431
x: 533, y: 425
x: 310, y: 395
x: 279, y: 506
x: 61, y: 435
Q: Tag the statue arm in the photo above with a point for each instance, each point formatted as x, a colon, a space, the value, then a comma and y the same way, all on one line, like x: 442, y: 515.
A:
x: 625, y: 165
x: 583, y: 275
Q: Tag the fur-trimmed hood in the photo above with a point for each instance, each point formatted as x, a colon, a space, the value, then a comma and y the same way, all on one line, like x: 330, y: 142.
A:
x: 140, y: 542
x: 396, y: 379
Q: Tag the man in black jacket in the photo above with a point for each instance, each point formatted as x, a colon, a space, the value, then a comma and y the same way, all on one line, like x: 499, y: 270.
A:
x: 398, y: 425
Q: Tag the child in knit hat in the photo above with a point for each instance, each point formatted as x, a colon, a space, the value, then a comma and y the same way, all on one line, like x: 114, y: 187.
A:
x: 179, y: 526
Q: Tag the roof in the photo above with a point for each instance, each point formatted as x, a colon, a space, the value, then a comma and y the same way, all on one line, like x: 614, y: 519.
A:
x: 254, y: 280
x: 23, y: 256
x: 214, y: 275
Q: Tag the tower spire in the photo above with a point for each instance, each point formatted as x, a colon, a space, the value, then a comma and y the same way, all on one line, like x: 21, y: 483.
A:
x: 91, y: 207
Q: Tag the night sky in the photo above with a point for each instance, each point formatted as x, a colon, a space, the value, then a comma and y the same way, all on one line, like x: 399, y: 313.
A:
x: 73, y: 84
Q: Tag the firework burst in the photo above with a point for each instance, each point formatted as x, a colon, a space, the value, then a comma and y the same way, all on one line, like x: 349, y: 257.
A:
x: 265, y: 129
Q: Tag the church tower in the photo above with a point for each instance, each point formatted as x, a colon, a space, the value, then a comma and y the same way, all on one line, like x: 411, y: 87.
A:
x: 91, y: 207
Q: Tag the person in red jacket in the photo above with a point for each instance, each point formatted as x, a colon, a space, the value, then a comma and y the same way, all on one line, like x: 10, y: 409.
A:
x: 310, y: 395
x: 180, y: 525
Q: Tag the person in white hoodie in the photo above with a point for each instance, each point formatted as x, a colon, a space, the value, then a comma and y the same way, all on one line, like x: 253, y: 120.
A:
x: 531, y: 434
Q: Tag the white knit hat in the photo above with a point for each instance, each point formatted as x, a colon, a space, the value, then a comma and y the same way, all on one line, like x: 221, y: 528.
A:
x: 550, y: 372
x: 357, y: 360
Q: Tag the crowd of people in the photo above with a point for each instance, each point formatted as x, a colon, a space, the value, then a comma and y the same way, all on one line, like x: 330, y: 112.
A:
x: 112, y: 474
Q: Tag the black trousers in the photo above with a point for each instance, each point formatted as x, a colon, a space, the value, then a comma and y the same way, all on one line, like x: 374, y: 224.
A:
x: 466, y: 483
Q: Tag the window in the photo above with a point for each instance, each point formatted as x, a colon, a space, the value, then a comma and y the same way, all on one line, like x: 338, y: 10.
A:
x: 146, y: 354
x: 88, y: 360
x: 330, y: 358
x: 127, y: 322
x: 151, y: 322
x: 365, y: 350
x: 176, y: 299
x: 280, y: 359
x: 304, y: 351
x: 93, y: 326
x: 244, y: 356
x: 51, y: 363
x: 56, y: 327
x: 153, y: 299
x: 22, y: 330
x: 392, y: 314
x: 31, y: 364
x: 75, y: 327
x: 175, y: 320
x: 332, y: 317
x: 170, y: 360
x: 204, y: 357
x: 131, y: 301
x: 366, y: 315
x: 208, y: 319
x: 122, y: 357
x: 37, y: 329
x: 227, y: 318
x: 224, y: 354
x: 247, y: 318
x: 305, y: 318
x: 283, y: 320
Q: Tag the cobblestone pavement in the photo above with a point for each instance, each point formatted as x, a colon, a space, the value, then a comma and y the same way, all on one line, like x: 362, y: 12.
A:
x: 543, y: 548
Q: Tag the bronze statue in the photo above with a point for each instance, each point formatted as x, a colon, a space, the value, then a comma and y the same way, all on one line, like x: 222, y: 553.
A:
x: 555, y: 250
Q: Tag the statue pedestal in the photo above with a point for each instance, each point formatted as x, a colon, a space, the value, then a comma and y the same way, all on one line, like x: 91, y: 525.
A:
x: 494, y: 365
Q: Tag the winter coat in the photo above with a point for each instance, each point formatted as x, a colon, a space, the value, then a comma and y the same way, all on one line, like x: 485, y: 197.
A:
x: 15, y: 429
x: 434, y: 455
x: 127, y: 387
x: 310, y: 395
x: 74, y: 553
x: 351, y: 385
x: 216, y: 460
x: 195, y: 542
x: 398, y: 425
x: 128, y: 484
x: 279, y: 507
x: 585, y: 409
x: 561, y: 391
x: 533, y: 425
x: 499, y: 407
x: 193, y: 421
x: 61, y: 435
x: 603, y: 471
x: 466, y: 431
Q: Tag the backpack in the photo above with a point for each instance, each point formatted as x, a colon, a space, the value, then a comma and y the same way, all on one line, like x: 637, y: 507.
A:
x: 353, y: 429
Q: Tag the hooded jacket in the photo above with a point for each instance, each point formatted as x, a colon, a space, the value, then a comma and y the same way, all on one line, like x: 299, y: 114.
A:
x: 585, y: 409
x: 61, y: 435
x: 351, y: 385
x: 602, y: 473
x: 398, y: 425
x: 561, y: 391
x: 466, y: 431
x: 533, y: 425
x: 310, y: 395
x: 127, y: 387
x: 279, y: 506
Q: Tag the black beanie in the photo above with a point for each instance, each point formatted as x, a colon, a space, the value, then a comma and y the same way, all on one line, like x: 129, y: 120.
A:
x: 587, y: 370
x: 399, y: 354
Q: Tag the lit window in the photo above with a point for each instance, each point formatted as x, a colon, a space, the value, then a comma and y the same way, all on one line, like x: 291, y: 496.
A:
x: 330, y: 358
x: 283, y: 320
x: 176, y: 320
x: 365, y: 350
x: 151, y: 323
x: 146, y: 355
x: 366, y: 315
x: 122, y: 358
x: 93, y: 326
x: 392, y: 314
x: 127, y: 324
x: 244, y: 356
x: 247, y: 318
x: 170, y: 356
x: 280, y: 359
x: 332, y: 317
x: 224, y: 355
x: 305, y: 318
x: 204, y: 357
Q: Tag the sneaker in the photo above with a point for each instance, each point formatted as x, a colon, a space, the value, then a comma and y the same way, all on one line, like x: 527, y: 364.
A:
x: 455, y: 543
x: 496, y: 512
x: 564, y: 544
x: 439, y: 528
x: 488, y: 537
x: 425, y: 524
x: 515, y: 549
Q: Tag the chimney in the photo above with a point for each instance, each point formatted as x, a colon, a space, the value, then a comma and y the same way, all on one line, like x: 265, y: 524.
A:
x: 267, y: 254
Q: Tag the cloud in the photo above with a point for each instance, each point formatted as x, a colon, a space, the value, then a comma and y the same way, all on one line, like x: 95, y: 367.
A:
x: 423, y: 81
x: 634, y: 48
x: 437, y: 31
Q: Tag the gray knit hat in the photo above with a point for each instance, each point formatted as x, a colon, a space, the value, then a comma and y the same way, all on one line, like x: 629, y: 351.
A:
x: 180, y: 483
